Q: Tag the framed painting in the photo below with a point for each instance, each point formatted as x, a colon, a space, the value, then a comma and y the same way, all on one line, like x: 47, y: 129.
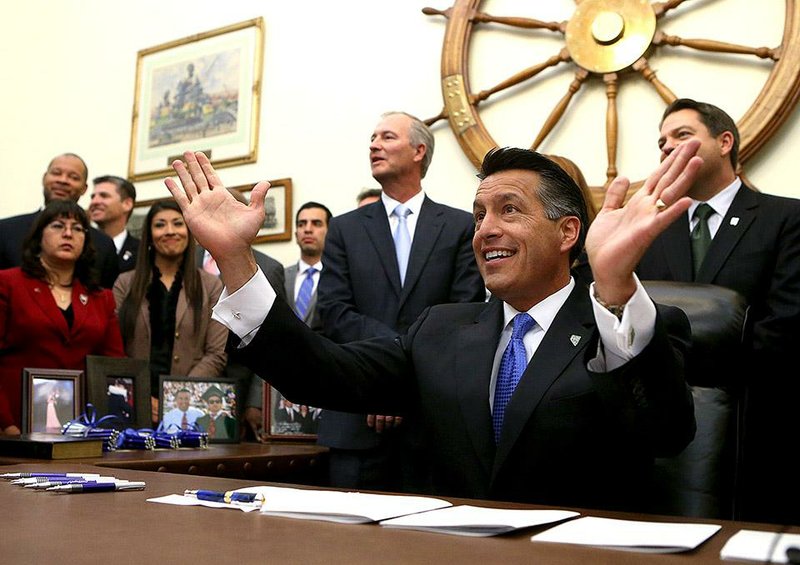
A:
x: 284, y: 419
x: 201, y: 93
x: 208, y: 405
x: 119, y: 386
x: 278, y: 219
x: 50, y: 399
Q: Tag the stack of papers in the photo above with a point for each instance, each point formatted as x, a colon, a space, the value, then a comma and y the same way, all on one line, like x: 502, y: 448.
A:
x: 476, y: 520
x: 766, y: 547
x: 650, y: 537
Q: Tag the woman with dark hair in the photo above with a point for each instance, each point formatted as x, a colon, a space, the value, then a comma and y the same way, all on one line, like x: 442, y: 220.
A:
x: 53, y: 312
x: 165, y: 303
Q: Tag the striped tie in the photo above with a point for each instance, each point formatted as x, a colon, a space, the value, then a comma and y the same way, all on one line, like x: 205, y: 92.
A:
x: 304, y: 295
x: 512, y: 365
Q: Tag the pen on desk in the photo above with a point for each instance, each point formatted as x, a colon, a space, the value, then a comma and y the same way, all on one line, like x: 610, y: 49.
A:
x: 229, y: 497
x: 32, y: 480
x: 70, y: 481
x: 10, y: 476
x: 98, y: 487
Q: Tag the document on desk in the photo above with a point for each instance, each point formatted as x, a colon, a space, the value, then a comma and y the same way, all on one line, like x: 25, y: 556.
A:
x: 628, y: 535
x: 766, y: 547
x: 342, y: 507
x: 477, y: 521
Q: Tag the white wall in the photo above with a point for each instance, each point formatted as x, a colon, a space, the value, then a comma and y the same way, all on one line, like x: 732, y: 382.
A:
x: 330, y: 69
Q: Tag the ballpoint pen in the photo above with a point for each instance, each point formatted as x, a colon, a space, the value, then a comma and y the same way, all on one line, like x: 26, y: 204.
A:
x: 229, y: 497
x: 31, y: 480
x: 69, y: 481
x: 10, y: 476
x: 98, y: 487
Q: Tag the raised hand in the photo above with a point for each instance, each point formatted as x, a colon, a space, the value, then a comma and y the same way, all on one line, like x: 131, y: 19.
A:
x: 220, y: 223
x: 619, y: 235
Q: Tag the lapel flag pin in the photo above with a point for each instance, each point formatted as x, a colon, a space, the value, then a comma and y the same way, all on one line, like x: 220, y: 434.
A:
x: 126, y: 255
x: 84, y: 299
x: 735, y: 221
x: 574, y: 339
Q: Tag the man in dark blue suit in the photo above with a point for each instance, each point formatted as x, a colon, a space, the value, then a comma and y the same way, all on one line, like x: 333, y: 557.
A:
x: 755, y: 250
x: 598, y: 373
x: 111, y: 206
x: 361, y: 295
x: 65, y: 178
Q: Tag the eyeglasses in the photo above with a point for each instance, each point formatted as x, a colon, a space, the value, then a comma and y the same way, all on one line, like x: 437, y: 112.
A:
x: 214, y: 401
x: 61, y: 227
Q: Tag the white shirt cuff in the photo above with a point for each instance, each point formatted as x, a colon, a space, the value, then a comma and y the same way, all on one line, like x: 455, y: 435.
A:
x: 245, y: 310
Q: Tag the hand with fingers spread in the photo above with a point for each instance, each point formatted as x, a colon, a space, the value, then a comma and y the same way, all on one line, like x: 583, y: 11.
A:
x: 220, y: 223
x: 619, y: 235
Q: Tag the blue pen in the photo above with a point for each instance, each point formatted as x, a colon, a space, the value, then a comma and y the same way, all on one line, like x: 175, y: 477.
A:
x: 30, y: 480
x: 55, y: 482
x: 10, y: 476
x: 98, y: 487
x: 229, y: 497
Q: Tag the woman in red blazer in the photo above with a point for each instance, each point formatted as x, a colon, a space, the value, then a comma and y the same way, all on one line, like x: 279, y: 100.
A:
x: 53, y: 313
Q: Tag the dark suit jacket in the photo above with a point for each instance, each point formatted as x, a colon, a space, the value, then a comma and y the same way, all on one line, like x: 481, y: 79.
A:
x: 126, y: 258
x: 360, y: 295
x: 572, y: 437
x: 12, y: 234
x: 34, y: 332
x: 756, y: 252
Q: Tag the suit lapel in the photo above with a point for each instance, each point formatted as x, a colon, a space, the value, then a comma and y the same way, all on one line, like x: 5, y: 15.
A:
x: 41, y: 296
x: 291, y: 277
x: 80, y: 306
x: 473, y: 375
x: 567, y: 338
x: 741, y: 214
x: 377, y: 228
x: 426, y: 232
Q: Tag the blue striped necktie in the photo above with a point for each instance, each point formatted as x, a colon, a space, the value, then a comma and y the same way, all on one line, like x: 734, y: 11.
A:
x: 304, y: 295
x: 512, y: 365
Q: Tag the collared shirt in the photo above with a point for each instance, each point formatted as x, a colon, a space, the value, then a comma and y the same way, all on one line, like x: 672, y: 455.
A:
x: 119, y: 240
x: 302, y: 267
x: 414, y: 204
x: 720, y: 202
x: 245, y: 310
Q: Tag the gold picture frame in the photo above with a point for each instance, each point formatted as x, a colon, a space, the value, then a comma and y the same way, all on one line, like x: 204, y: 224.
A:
x: 277, y: 222
x: 202, y: 93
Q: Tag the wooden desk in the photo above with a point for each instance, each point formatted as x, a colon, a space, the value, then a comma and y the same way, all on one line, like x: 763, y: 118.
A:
x: 120, y: 527
x: 287, y: 462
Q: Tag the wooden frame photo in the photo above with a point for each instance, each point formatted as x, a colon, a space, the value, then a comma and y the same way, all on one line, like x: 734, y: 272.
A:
x: 198, y: 398
x: 285, y: 420
x: 278, y: 218
x: 201, y: 92
x: 50, y: 399
x: 119, y: 386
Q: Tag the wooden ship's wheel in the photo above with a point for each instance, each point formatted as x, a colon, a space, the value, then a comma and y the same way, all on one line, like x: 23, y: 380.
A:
x: 607, y: 40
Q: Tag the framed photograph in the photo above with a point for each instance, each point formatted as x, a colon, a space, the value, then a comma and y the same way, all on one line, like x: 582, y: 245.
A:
x: 50, y: 399
x: 201, y: 92
x: 119, y: 386
x: 278, y: 218
x: 286, y: 420
x: 208, y: 405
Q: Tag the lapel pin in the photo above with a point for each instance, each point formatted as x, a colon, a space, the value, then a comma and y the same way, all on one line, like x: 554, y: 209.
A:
x: 574, y: 339
x: 126, y: 255
x: 37, y: 290
x: 84, y: 299
x: 735, y: 221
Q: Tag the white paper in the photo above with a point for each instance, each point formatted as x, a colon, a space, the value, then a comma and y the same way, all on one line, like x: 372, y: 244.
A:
x: 477, y: 521
x: 651, y: 537
x: 343, y: 507
x: 759, y: 546
x: 180, y: 500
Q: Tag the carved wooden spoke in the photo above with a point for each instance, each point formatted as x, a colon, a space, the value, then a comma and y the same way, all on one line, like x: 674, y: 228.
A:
x: 609, y: 40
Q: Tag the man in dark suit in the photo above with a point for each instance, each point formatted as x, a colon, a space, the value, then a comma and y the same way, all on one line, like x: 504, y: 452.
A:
x: 601, y: 387
x: 755, y: 250
x: 64, y: 178
x: 251, y: 388
x: 110, y: 208
x: 362, y: 294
